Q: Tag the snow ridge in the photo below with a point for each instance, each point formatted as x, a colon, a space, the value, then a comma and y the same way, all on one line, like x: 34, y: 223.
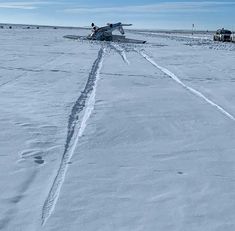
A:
x: 75, y: 130
x: 120, y: 51
x: 192, y: 90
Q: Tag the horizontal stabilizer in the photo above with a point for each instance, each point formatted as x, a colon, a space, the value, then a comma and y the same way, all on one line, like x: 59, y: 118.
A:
x: 126, y: 24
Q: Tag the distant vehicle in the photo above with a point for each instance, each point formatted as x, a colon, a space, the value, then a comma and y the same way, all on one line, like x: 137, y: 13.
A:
x: 233, y: 37
x: 105, y: 33
x: 222, y: 35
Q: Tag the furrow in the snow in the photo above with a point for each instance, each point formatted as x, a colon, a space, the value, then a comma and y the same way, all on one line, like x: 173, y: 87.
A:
x: 76, y: 127
x: 120, y: 51
x: 192, y: 90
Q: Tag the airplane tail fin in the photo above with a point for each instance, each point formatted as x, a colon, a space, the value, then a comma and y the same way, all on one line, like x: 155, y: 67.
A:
x: 121, y: 27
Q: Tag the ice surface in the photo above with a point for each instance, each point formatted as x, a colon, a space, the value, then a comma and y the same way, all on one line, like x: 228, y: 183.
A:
x: 101, y: 136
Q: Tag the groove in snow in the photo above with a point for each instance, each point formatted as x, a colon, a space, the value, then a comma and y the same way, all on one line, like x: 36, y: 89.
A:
x: 120, y: 51
x: 75, y: 130
x: 192, y: 90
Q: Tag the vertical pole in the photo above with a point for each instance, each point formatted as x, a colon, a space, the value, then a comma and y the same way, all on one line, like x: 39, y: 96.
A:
x: 192, y: 28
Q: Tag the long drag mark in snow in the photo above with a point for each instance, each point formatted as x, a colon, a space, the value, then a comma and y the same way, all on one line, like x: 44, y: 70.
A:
x: 120, y: 51
x: 75, y: 130
x: 192, y: 90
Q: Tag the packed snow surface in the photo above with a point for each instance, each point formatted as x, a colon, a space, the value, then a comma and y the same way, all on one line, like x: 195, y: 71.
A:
x: 99, y: 136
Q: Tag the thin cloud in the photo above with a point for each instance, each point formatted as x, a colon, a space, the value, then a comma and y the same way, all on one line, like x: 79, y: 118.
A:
x: 22, y: 5
x: 153, y: 8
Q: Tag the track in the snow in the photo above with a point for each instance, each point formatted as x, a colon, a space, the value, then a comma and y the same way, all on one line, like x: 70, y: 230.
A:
x: 192, y: 90
x: 76, y: 127
x: 120, y: 51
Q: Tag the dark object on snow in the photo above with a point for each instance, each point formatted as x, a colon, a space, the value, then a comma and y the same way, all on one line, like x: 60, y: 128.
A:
x: 222, y: 35
x: 233, y: 38
x: 105, y: 33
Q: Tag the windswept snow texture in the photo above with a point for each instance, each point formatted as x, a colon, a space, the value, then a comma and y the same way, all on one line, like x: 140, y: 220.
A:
x: 122, y: 137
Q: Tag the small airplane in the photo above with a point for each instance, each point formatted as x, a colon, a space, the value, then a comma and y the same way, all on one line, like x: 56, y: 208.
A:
x: 105, y: 33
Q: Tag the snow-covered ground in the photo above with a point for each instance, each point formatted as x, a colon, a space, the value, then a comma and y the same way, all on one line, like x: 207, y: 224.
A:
x: 102, y: 136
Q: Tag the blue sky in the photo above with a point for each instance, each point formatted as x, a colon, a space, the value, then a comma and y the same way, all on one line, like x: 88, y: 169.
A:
x: 171, y: 14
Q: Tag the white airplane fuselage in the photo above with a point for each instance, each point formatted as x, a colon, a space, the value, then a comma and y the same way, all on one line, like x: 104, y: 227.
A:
x: 105, y: 33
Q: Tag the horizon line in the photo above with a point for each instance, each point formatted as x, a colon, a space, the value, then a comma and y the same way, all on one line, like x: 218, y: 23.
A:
x: 87, y: 28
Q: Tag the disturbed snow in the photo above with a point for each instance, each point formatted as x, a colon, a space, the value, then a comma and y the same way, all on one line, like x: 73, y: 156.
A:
x: 105, y: 136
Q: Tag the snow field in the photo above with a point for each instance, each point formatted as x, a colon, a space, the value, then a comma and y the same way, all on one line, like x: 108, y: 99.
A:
x: 103, y: 136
